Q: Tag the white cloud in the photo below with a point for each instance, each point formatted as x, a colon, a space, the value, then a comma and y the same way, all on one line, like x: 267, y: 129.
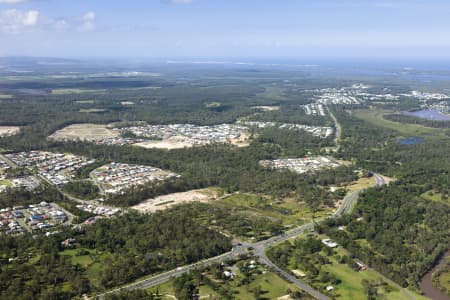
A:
x: 88, y: 21
x: 12, y: 1
x: 16, y: 21
x: 89, y: 16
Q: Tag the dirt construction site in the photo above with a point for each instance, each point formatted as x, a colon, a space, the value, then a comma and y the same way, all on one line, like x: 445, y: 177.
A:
x: 86, y: 132
x: 166, y: 201
x: 9, y: 130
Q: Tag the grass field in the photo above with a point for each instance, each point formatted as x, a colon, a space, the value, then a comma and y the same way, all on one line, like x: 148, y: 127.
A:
x: 289, y: 211
x: 90, y: 260
x: 435, y: 196
x: 376, y: 117
x: 272, y: 287
x: 361, y: 183
x: 444, y: 280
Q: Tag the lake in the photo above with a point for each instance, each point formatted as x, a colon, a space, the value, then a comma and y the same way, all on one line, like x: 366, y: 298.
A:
x: 429, y: 114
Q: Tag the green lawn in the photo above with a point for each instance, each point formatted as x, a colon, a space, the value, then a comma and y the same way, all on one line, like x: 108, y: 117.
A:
x: 272, y: 287
x: 84, y: 260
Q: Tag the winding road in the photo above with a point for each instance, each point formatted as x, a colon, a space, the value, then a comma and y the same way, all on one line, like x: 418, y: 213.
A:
x: 259, y: 249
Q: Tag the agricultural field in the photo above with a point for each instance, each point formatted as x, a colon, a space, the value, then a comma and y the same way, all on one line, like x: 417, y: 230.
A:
x: 166, y: 201
x: 9, y: 130
x: 86, y: 132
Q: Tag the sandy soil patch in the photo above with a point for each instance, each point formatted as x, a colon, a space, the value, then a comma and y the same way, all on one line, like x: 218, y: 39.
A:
x: 87, y: 132
x: 85, y: 101
x: 9, y: 130
x: 92, y: 110
x: 267, y: 108
x: 180, y: 142
x: 285, y: 297
x: 164, y: 202
x: 164, y: 144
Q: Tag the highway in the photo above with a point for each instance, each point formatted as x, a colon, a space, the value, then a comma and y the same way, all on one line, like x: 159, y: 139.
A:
x: 259, y: 249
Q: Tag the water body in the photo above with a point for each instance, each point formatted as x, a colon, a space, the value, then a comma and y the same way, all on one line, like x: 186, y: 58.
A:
x: 429, y: 114
x: 426, y: 284
x: 412, y: 140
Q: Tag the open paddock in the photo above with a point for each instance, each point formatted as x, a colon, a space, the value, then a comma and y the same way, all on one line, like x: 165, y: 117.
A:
x: 87, y: 132
x: 164, y: 202
x: 9, y: 130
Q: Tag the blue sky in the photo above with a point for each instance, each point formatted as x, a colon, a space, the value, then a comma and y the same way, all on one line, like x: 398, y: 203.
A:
x: 226, y: 28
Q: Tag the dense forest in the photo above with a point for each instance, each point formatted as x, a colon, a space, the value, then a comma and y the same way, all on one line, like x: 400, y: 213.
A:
x: 405, y: 233
x: 122, y: 249
x: 399, y: 229
x: 404, y: 230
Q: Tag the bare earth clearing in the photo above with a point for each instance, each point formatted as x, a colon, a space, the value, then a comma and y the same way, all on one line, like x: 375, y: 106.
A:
x: 267, y: 108
x: 164, y: 202
x: 9, y: 130
x: 87, y: 132
x: 181, y: 142
x: 164, y: 144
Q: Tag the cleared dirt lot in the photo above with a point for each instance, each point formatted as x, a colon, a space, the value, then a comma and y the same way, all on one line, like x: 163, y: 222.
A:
x: 179, y: 143
x: 267, y: 108
x: 164, y: 202
x: 9, y: 130
x: 87, y: 132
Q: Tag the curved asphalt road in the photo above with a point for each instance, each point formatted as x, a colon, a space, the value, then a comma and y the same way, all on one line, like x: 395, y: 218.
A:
x: 259, y: 248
